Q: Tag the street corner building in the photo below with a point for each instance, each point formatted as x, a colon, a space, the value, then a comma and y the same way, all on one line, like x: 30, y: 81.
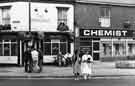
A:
x: 49, y: 22
x: 105, y: 28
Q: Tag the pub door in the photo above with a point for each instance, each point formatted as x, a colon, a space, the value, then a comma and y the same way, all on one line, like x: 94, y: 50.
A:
x: 25, y: 45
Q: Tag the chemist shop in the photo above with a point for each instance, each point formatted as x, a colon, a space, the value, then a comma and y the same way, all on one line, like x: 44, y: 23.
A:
x: 107, y: 44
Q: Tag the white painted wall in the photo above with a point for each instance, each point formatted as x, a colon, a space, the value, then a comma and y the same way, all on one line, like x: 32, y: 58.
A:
x: 40, y: 21
x: 19, y: 16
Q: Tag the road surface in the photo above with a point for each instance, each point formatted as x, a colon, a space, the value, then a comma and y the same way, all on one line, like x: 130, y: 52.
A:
x: 67, y: 82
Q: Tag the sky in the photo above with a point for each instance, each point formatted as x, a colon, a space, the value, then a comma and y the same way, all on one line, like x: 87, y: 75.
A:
x: 112, y: 1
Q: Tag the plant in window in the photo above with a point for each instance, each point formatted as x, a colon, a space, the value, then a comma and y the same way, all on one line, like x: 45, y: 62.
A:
x: 62, y: 27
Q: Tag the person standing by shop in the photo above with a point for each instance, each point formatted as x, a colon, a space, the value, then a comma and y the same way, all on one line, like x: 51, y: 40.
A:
x: 60, y: 59
x: 40, y: 60
x: 76, y: 65
x: 35, y: 59
x: 28, y: 60
x: 86, y: 63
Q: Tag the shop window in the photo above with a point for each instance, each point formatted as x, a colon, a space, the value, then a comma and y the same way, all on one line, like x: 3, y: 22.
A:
x: 8, y: 48
x: 14, y: 49
x: 107, y: 49
x: 55, y: 46
x: 47, y: 49
x: 1, y: 53
x: 131, y: 49
x: 119, y: 49
x: 63, y: 47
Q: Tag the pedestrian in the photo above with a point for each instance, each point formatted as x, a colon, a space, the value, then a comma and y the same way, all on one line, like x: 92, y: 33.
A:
x: 60, y: 59
x: 86, y: 62
x: 40, y: 60
x: 76, y: 65
x: 68, y: 58
x: 35, y: 59
x: 28, y: 60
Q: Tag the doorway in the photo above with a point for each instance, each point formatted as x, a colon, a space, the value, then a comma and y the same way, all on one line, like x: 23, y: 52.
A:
x: 96, y: 49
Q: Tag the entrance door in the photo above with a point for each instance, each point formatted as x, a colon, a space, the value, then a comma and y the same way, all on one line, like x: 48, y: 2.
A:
x: 96, y: 50
x: 25, y: 45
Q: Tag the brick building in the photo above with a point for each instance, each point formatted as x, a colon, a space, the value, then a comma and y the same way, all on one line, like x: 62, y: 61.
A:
x: 105, y: 28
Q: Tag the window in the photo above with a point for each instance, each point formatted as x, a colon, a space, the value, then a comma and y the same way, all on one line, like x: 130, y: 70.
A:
x: 5, y: 15
x: 119, y: 49
x: 8, y: 48
x: 54, y: 46
x: 104, y: 18
x: 62, y: 15
x: 131, y: 49
x: 106, y: 48
x: 105, y: 12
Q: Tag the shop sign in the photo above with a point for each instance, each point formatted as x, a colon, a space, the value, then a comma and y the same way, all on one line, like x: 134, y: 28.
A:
x: 106, y: 33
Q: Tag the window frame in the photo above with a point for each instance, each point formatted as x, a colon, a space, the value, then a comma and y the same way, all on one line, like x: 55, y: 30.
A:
x: 59, y: 45
x: 9, y: 42
x: 62, y: 9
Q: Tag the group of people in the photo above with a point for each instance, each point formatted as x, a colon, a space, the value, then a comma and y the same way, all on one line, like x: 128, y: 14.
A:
x: 64, y: 60
x: 33, y: 60
x: 82, y: 65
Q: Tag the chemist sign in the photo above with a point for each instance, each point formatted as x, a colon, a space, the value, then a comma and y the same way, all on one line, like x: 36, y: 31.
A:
x: 106, y: 33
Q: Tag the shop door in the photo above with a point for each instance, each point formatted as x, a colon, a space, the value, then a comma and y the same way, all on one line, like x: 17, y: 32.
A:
x: 96, y: 50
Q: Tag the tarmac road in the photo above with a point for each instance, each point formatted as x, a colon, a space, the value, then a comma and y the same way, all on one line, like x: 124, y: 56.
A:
x: 67, y: 82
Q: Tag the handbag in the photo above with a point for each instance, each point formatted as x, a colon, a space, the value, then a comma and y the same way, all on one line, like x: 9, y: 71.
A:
x: 88, y: 60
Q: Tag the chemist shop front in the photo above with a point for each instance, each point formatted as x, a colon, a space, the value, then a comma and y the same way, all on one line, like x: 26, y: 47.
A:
x: 107, y: 44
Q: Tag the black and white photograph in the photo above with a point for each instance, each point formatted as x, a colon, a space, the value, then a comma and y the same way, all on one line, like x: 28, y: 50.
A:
x: 67, y: 42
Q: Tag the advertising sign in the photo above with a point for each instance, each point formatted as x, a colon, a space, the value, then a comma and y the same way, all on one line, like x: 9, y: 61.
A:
x: 106, y: 33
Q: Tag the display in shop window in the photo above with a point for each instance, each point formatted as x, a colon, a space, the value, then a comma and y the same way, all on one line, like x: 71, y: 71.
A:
x: 107, y: 49
x: 119, y: 49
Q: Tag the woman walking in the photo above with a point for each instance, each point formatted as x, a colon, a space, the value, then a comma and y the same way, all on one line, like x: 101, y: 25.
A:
x: 76, y: 65
x: 86, y: 65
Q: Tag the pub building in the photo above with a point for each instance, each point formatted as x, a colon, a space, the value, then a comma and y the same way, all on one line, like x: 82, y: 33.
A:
x: 48, y: 25
x: 105, y: 29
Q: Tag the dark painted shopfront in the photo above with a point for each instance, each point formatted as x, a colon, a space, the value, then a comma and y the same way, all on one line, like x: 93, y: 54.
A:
x: 107, y: 44
x: 14, y: 44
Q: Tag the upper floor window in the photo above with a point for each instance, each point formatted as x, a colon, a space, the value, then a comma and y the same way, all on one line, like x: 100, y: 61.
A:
x: 105, y: 12
x: 5, y: 15
x: 104, y: 18
x: 62, y: 15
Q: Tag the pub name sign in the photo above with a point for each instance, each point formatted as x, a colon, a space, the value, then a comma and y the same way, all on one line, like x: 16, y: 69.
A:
x: 106, y: 33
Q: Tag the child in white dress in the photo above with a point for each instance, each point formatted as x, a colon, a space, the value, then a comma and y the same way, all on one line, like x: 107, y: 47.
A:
x: 86, y: 65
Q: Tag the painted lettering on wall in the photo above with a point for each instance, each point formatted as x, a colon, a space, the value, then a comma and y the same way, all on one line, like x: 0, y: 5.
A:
x: 105, y: 32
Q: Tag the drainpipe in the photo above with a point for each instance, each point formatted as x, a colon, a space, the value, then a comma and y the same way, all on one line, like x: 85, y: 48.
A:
x: 29, y: 2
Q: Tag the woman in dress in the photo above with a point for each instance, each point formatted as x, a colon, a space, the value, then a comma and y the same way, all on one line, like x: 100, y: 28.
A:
x: 86, y: 69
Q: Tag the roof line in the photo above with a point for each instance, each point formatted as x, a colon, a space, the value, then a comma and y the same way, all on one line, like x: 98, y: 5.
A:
x: 103, y: 2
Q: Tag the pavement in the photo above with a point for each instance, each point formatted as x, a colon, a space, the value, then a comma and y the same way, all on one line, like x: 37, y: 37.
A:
x: 99, y: 69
